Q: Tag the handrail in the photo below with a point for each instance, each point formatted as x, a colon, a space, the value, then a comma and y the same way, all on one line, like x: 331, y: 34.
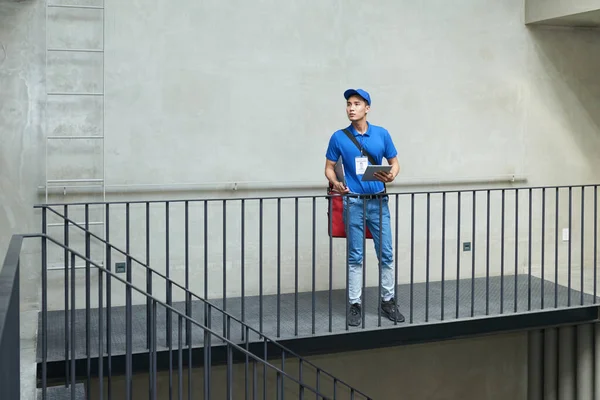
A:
x: 391, y: 193
x: 192, y: 321
x: 10, y: 376
x: 8, y: 275
x: 205, y: 301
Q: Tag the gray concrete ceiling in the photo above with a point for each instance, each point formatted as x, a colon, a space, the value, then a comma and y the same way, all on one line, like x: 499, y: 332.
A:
x: 586, y: 19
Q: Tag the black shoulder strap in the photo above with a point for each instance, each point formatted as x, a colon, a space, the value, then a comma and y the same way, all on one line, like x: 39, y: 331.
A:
x: 351, y: 137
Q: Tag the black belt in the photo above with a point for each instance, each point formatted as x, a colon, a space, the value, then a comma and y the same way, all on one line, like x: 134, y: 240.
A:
x: 369, y: 196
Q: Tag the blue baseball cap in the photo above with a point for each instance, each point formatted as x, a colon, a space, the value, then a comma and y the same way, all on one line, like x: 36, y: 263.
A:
x: 359, y: 92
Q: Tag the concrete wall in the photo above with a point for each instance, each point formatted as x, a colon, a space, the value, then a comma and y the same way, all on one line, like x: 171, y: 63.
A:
x: 463, y: 96
x: 468, y: 98
x: 540, y: 10
x: 493, y: 367
x: 21, y: 129
x: 466, y: 90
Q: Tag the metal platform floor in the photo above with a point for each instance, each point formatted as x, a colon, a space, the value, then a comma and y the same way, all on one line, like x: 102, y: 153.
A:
x: 63, y: 393
x: 423, y: 311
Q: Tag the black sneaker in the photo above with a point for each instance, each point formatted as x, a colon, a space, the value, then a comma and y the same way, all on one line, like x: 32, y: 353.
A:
x: 388, y: 309
x: 354, y: 315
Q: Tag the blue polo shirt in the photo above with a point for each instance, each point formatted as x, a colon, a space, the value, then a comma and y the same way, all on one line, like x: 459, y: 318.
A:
x: 376, y: 141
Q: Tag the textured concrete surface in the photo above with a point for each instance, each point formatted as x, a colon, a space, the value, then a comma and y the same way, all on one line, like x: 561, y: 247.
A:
x: 528, y: 93
x: 587, y: 20
x: 492, y: 367
x: 21, y: 150
x: 555, y: 11
x: 464, y: 97
x: 466, y: 91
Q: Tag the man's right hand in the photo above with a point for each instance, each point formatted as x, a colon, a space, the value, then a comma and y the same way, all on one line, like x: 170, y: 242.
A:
x: 330, y: 174
x: 340, y: 188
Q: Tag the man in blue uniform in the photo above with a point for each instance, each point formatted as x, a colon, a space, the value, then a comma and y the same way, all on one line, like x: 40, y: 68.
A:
x: 377, y: 142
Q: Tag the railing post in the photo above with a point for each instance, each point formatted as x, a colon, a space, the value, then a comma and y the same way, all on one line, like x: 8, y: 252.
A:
x: 582, y: 239
x: 72, y: 323
x: 188, y: 306
x: 296, y: 268
x: 556, y: 250
x: 87, y: 295
x: 224, y: 263
x: 543, y: 255
x: 487, y: 256
x: 44, y: 304
x: 364, y: 267
x: 169, y: 288
x: 530, y: 235
x: 169, y: 327
x: 380, y: 264
x: 278, y: 267
x: 100, y: 335
x: 229, y: 359
x: 246, y: 361
x: 347, y: 263
x: 396, y: 262
x: 148, y: 279
x: 503, y: 218
x: 243, y: 264
x: 128, y: 310
x: 473, y: 249
x: 330, y: 221
x: 569, y: 246
x: 205, y: 260
x: 442, y: 296
x: 207, y: 355
x: 595, y: 242
x: 427, y: 245
x: 108, y: 301
x: 153, y: 367
x: 180, y: 357
x: 301, y: 388
x: 66, y: 290
x: 266, y: 358
x: 282, y: 376
x: 260, y: 265
x: 412, y: 254
x: 516, y: 299
x: 188, y: 296
x: 314, y: 262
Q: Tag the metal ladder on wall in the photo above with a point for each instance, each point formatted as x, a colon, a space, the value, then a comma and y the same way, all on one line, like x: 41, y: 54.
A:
x: 62, y: 182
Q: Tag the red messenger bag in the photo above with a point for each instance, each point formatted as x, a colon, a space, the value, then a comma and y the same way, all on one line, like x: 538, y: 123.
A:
x: 335, y: 211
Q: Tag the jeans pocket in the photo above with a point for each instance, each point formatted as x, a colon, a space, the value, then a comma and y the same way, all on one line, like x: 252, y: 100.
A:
x: 351, y: 200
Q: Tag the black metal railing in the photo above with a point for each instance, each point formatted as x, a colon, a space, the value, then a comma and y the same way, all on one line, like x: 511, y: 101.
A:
x: 242, y: 329
x: 457, y: 255
x: 293, y: 376
x: 270, y: 262
x: 10, y: 344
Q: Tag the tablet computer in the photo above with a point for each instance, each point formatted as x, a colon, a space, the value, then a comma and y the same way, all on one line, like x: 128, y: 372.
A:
x: 371, y: 169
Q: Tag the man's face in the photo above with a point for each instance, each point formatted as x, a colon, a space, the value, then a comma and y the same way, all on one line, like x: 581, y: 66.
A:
x: 356, y: 108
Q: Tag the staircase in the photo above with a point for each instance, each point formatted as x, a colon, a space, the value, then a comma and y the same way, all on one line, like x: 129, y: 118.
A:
x: 207, y: 351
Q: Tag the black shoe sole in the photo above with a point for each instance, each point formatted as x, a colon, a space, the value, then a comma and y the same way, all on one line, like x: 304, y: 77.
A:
x: 356, y: 324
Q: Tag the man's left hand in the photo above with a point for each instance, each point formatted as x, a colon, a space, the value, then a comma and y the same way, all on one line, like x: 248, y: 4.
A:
x: 385, y: 177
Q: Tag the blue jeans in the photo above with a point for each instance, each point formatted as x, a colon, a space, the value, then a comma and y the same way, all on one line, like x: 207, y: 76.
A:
x: 353, y: 219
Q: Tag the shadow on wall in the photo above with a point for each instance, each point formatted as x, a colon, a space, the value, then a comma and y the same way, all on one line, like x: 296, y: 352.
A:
x: 568, y: 61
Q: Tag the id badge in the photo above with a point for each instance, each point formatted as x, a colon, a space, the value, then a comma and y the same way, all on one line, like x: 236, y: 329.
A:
x: 361, y: 165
